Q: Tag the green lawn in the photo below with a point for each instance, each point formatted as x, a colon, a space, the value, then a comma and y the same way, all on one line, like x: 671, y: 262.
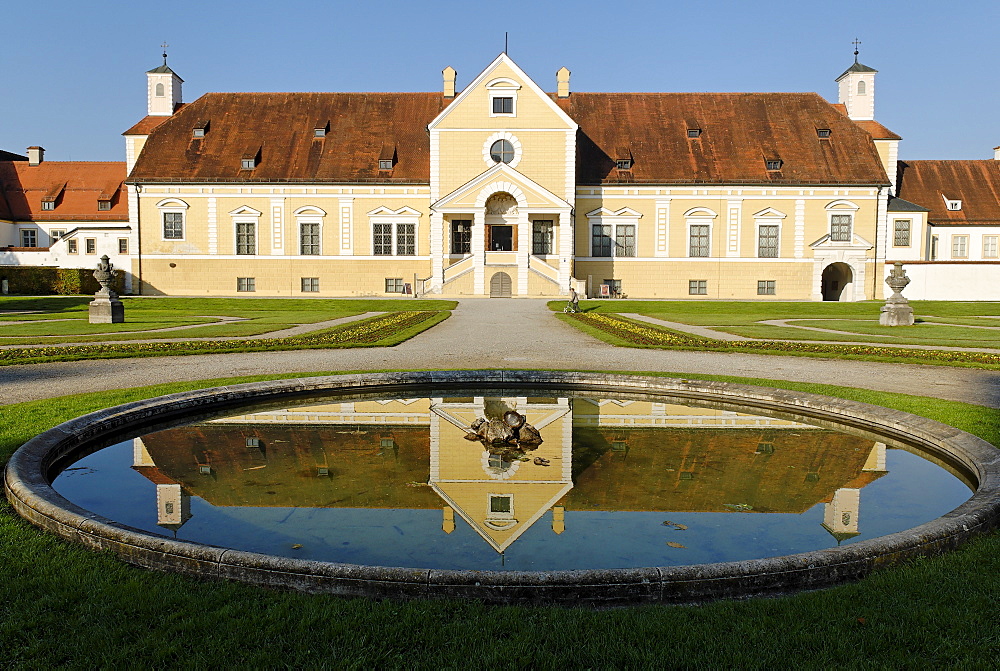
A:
x: 939, y: 324
x: 143, y: 314
x: 64, y: 606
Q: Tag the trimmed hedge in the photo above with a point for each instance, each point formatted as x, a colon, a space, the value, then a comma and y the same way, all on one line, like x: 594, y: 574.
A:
x: 46, y: 281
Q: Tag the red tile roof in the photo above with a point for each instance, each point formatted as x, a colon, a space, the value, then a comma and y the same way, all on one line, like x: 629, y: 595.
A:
x: 975, y: 183
x: 74, y: 186
x: 282, y: 125
x: 877, y: 130
x: 739, y: 132
x: 146, y: 125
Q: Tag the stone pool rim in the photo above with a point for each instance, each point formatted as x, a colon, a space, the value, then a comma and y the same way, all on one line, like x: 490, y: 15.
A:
x: 28, y: 487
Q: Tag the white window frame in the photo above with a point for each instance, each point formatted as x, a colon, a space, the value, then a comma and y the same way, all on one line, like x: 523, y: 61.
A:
x: 56, y: 234
x: 25, y: 233
x: 311, y: 221
x: 246, y: 215
x: 48, y: 205
x: 760, y: 223
x: 605, y: 217
x: 503, y: 87
x: 991, y: 246
x: 405, y: 215
x: 699, y: 221
x: 551, y: 236
x: 172, y: 206
x: 952, y: 204
x: 963, y: 239
x: 495, y: 137
x: 842, y: 207
x: 909, y: 232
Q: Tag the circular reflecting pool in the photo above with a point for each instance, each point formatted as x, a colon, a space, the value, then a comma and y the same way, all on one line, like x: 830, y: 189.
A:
x: 436, y: 481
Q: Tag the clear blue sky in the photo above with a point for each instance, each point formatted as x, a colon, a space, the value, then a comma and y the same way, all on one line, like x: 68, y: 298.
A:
x: 73, y: 72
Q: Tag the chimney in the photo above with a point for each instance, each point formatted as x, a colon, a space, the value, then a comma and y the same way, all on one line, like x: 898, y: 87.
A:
x: 562, y: 83
x: 449, y: 81
x: 996, y: 153
x: 35, y: 155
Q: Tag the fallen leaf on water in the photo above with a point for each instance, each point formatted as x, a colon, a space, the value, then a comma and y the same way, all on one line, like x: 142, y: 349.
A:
x: 668, y: 523
x: 297, y: 546
x: 682, y: 527
x: 674, y: 545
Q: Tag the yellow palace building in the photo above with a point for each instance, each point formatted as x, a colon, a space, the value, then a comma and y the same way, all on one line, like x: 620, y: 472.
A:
x: 501, y: 189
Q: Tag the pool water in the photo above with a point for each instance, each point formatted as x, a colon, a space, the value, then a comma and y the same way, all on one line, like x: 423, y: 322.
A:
x: 614, y: 484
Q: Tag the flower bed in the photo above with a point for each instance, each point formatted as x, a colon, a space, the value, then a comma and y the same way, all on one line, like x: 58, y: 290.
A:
x: 649, y: 335
x: 356, y: 334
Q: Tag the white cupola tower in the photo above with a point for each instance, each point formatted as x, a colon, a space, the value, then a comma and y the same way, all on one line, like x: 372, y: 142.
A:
x: 857, y: 89
x: 163, y: 92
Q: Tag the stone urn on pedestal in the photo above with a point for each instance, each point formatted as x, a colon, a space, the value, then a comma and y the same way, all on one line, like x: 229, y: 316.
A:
x: 897, y: 310
x: 106, y: 308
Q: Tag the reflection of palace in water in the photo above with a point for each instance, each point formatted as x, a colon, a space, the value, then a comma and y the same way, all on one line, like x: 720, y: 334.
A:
x: 597, y: 455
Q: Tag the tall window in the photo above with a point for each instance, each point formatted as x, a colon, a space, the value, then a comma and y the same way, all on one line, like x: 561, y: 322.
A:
x: 173, y: 225
x: 600, y: 243
x: 625, y: 240
x: 394, y: 239
x: 767, y: 241
x: 71, y: 246
x: 90, y: 245
x: 309, y: 238
x: 123, y: 245
x: 989, y: 246
x: 461, y: 236
x: 246, y: 237
x: 699, y: 240
x: 29, y: 237
x: 840, y: 227
x: 541, y: 237
x: 959, y: 246
x: 901, y: 233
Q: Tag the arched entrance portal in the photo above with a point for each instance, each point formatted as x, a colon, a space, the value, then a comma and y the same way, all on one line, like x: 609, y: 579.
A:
x: 500, y: 285
x: 837, y: 277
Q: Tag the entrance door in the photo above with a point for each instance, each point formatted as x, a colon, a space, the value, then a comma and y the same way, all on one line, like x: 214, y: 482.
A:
x: 501, y: 238
x: 836, y: 278
x: 500, y: 286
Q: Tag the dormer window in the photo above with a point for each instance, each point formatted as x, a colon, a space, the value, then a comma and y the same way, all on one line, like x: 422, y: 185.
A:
x: 624, y: 164
x: 250, y: 159
x: 503, y: 96
x: 953, y: 205
x: 321, y: 128
x: 823, y: 133
x: 387, y: 157
x: 773, y: 163
x: 694, y: 132
x: 503, y: 105
x: 48, y: 204
x: 200, y: 130
x: 104, y: 205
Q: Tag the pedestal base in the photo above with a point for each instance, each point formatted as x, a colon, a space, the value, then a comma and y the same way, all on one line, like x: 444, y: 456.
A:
x: 896, y: 315
x: 107, y: 311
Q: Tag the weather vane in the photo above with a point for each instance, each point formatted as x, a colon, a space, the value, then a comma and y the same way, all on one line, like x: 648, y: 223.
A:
x: 856, y: 43
x: 164, y: 47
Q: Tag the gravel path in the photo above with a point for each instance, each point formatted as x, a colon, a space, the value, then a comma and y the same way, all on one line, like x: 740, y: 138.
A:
x: 498, y: 334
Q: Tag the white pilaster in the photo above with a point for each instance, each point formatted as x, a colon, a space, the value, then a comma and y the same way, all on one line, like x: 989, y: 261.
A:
x: 881, y: 241
x: 435, y: 164
x: 800, y: 229
x: 571, y: 167
x: 662, y: 228
x: 479, y: 251
x: 278, y: 225
x: 437, y: 251
x: 565, y: 248
x: 346, y: 222
x: 734, y: 211
x: 523, y: 250
x: 213, y: 225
